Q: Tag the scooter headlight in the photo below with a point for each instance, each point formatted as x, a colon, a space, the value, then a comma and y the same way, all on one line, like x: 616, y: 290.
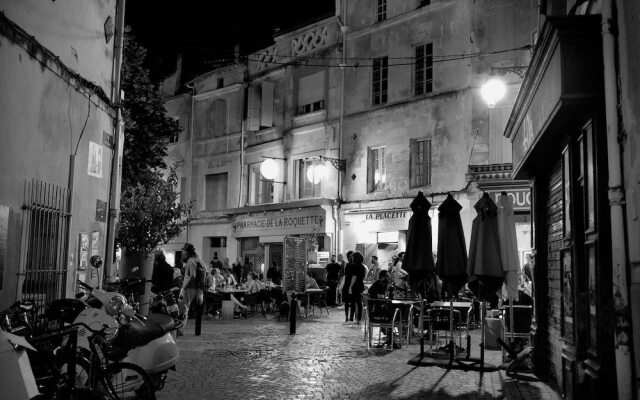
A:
x: 115, y: 305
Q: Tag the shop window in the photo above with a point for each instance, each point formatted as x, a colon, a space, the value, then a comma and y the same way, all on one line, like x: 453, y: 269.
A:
x: 260, y: 111
x: 420, y: 171
x: 381, y: 10
x: 311, y: 90
x: 377, y: 171
x: 220, y: 83
x: 424, y: 69
x: 216, y: 192
x: 310, y: 175
x: 261, y: 190
x: 380, y: 80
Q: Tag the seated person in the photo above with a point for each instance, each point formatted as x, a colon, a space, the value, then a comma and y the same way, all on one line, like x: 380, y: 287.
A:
x: 379, y: 288
x: 252, y: 284
x: 218, y: 278
x: 311, y: 281
x: 229, y: 279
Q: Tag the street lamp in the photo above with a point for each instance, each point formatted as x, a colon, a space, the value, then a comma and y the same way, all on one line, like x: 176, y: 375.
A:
x: 269, y: 169
x: 493, y: 91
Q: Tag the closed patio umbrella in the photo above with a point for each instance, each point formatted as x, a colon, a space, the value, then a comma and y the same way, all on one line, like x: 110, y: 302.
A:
x: 452, y: 250
x: 418, y: 257
x: 484, y: 267
x: 508, y: 246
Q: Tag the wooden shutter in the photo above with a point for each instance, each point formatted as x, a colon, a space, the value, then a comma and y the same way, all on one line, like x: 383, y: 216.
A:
x: 254, y: 108
x: 266, y: 116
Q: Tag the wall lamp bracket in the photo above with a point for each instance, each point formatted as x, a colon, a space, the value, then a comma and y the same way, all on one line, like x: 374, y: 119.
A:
x: 519, y: 70
x: 275, y: 158
x: 339, y: 164
x: 269, y: 180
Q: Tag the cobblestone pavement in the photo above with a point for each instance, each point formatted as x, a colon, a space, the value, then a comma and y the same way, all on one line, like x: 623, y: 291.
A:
x: 257, y: 358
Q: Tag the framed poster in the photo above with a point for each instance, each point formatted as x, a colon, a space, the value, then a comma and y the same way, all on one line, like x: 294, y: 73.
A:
x: 95, y: 243
x: 95, y: 160
x: 83, y: 250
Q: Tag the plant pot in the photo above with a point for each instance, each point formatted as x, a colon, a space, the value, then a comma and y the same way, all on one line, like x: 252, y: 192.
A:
x: 138, y: 265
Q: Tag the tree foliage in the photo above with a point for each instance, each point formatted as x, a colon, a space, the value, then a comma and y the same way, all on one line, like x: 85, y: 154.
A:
x: 150, y: 213
x: 147, y: 127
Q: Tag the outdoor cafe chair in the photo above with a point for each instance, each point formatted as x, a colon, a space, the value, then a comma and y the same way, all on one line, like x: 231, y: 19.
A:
x: 382, y: 314
x: 520, y: 328
x: 319, y: 300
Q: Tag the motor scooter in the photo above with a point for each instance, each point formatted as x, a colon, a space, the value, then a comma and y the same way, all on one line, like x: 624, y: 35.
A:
x: 146, y: 340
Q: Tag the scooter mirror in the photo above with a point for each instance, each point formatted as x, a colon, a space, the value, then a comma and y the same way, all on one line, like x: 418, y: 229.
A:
x: 96, y: 261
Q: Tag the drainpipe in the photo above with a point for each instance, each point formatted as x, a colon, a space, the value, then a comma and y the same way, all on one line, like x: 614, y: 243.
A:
x: 624, y: 364
x: 191, y: 136
x: 118, y: 146
x: 343, y: 65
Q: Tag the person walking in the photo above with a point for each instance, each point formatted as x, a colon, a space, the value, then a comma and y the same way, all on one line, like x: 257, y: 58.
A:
x: 354, y: 281
x: 189, y: 291
x: 345, y: 287
x: 333, y: 276
x: 237, y: 269
x: 162, y: 275
x: 340, y: 280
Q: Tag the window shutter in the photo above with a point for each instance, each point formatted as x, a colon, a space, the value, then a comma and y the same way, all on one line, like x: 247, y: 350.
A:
x: 254, y: 108
x: 266, y: 117
x: 311, y: 89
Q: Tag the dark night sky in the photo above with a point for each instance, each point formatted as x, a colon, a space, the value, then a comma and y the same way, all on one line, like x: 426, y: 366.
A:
x: 206, y: 31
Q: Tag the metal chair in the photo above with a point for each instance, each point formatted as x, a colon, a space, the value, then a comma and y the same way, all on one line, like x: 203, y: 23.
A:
x: 319, y: 300
x: 440, y: 321
x: 516, y: 324
x: 382, y: 314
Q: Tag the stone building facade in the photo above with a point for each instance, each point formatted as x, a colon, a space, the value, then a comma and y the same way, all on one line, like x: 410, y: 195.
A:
x: 59, y: 125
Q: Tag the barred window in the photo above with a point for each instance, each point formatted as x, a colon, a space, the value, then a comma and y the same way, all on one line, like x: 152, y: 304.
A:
x: 381, y: 10
x: 310, y: 178
x: 424, y: 69
x: 420, y: 171
x: 380, y: 79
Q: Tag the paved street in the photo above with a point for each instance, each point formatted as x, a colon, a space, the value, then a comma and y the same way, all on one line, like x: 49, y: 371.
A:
x: 259, y: 359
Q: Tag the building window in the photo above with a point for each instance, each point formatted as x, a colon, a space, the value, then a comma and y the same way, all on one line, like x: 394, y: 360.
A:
x: 260, y: 189
x: 424, y: 69
x: 381, y: 10
x: 377, y: 170
x: 380, y: 78
x: 261, y: 106
x: 220, y: 83
x: 420, y: 163
x: 310, y: 178
x: 216, y: 192
x: 422, y: 3
x: 311, y: 90
x: 210, y: 119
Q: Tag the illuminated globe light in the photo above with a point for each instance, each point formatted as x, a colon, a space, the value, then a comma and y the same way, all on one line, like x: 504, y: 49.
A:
x: 269, y: 169
x: 493, y: 91
x: 316, y: 173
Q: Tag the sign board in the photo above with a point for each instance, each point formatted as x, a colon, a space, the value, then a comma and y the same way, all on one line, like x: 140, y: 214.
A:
x: 290, y: 222
x: 294, y: 268
x: 521, y: 196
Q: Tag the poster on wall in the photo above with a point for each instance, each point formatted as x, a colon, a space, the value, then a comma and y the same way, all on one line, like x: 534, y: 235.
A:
x: 95, y: 160
x: 83, y: 250
x: 95, y: 240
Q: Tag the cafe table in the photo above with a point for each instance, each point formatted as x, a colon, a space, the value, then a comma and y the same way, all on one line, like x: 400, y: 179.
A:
x: 309, y: 292
x: 228, y: 306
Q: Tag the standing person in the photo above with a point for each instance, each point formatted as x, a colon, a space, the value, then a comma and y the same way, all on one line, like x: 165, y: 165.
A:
x: 162, y: 276
x: 216, y: 263
x: 374, y: 270
x: 400, y: 275
x: 355, y: 283
x: 346, y: 280
x: 273, y: 273
x: 237, y: 269
x: 189, y: 290
x: 333, y: 276
x: 246, y: 269
x: 340, y: 279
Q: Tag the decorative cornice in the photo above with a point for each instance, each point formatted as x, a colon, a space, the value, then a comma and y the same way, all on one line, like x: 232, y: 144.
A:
x: 490, y: 172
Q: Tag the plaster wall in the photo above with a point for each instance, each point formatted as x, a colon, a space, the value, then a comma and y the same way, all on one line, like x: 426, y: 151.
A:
x: 44, y: 122
x: 73, y: 30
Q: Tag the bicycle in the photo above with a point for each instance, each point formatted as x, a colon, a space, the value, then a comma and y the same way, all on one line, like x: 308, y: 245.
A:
x: 61, y: 372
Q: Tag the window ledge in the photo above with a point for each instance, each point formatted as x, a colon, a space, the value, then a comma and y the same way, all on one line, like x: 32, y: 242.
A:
x: 309, y: 118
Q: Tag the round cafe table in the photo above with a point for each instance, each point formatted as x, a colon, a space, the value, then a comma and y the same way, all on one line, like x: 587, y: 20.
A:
x: 226, y: 312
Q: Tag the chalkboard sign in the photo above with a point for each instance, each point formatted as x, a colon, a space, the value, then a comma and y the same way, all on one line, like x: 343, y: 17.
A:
x: 294, y: 270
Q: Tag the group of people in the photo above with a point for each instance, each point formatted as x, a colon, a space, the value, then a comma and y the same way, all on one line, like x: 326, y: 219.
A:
x: 239, y: 275
x: 346, y: 280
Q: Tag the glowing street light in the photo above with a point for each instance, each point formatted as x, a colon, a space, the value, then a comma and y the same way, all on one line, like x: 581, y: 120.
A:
x: 269, y: 169
x: 493, y: 91
x: 316, y: 172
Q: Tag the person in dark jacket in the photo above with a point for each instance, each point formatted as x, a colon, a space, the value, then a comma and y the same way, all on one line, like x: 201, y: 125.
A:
x: 162, y: 276
x: 354, y: 285
x: 333, y: 276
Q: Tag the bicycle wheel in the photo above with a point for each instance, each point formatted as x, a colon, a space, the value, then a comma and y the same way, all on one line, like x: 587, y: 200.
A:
x: 124, y: 380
